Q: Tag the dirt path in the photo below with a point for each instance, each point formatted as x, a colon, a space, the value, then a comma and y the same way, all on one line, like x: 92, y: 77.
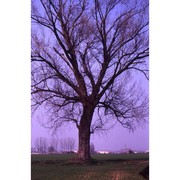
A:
x: 115, y: 175
x: 118, y: 175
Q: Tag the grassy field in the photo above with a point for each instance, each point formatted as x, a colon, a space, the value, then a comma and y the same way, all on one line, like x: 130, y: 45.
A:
x: 105, y: 167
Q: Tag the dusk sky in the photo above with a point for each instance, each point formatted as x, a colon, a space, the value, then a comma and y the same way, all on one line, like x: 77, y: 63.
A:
x: 113, y: 140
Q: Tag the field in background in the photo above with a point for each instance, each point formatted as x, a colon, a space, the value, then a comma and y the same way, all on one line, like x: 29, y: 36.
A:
x: 105, y: 167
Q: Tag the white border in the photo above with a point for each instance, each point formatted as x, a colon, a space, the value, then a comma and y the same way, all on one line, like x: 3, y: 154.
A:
x: 15, y: 90
x: 164, y: 89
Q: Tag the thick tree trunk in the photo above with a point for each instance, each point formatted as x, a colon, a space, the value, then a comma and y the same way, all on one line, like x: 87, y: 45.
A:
x: 84, y: 144
x: 84, y: 134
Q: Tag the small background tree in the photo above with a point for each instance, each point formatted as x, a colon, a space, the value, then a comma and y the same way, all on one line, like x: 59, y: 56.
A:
x: 67, y: 145
x: 54, y: 143
x: 92, y: 148
x: 41, y: 144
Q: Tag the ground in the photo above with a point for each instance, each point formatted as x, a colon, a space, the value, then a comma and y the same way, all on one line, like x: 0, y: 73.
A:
x: 104, y: 167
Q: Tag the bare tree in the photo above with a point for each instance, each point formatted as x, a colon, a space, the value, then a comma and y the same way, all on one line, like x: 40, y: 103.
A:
x: 54, y: 143
x: 33, y: 149
x: 67, y: 144
x: 84, y: 57
x: 70, y: 144
x: 51, y: 149
x: 92, y: 148
x: 41, y: 144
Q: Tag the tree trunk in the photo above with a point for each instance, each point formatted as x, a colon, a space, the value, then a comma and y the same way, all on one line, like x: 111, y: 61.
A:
x: 84, y: 134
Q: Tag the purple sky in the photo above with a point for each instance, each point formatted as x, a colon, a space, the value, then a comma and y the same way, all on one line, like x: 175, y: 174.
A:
x: 113, y: 140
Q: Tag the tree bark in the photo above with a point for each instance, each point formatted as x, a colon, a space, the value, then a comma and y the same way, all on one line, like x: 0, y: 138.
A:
x: 84, y: 134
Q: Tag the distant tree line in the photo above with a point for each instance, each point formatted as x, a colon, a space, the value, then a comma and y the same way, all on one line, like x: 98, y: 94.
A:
x: 43, y: 145
x: 67, y: 144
